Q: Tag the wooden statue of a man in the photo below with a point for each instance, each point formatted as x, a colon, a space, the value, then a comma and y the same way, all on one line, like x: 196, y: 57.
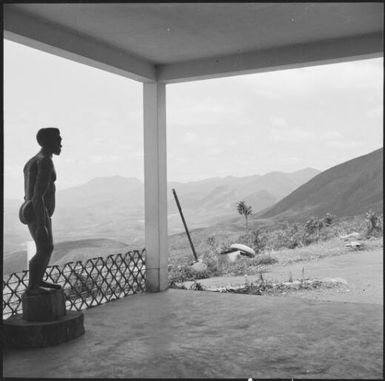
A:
x: 39, y: 205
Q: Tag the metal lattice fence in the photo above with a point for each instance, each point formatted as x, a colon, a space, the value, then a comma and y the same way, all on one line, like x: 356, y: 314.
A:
x: 95, y: 282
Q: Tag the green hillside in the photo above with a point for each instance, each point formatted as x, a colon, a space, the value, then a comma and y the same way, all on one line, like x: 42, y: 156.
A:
x: 348, y: 189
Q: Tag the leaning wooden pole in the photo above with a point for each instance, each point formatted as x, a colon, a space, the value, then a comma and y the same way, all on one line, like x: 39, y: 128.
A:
x: 185, y: 225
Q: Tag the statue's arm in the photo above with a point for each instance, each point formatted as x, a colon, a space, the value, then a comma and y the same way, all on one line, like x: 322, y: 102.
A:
x: 43, y: 178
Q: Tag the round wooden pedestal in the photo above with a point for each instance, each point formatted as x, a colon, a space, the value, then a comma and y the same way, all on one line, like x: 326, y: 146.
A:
x: 44, y: 322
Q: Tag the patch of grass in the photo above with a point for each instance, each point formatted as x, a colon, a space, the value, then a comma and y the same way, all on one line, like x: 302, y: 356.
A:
x: 183, y: 273
x: 281, y: 242
x: 265, y: 287
x: 330, y: 248
x: 197, y: 286
x: 219, y: 265
x: 177, y: 285
x: 244, y: 265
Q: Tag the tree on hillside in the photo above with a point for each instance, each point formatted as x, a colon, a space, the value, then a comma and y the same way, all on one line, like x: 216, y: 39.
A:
x: 259, y: 240
x: 245, y: 211
x: 314, y: 226
x: 328, y: 219
x: 374, y: 223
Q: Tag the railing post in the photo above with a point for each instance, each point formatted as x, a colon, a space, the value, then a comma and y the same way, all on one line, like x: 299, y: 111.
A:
x: 155, y: 186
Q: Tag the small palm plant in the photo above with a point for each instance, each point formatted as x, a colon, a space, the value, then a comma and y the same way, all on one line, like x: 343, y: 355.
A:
x: 245, y: 211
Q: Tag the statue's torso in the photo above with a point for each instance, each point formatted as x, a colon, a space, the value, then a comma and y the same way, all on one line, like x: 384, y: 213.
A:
x: 33, y: 175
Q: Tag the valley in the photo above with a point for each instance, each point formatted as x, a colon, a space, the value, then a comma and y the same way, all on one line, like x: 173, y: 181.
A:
x: 113, y: 207
x: 106, y: 215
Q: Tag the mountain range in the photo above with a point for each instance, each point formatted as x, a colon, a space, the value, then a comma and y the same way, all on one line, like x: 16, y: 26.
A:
x: 113, y: 207
x: 209, y: 201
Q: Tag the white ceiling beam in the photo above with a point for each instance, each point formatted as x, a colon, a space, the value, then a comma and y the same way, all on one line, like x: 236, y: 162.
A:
x: 39, y: 34
x: 288, y: 57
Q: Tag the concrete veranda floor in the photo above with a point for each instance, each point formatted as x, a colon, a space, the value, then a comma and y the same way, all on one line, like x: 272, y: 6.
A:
x: 186, y: 334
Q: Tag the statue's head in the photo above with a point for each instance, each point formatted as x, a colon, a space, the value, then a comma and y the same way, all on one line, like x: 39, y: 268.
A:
x: 50, y: 140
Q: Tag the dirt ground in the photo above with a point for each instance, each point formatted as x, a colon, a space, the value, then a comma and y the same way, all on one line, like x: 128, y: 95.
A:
x: 362, y: 270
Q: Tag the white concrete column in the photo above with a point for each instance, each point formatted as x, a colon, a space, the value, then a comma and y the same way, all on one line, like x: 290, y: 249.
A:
x: 155, y: 186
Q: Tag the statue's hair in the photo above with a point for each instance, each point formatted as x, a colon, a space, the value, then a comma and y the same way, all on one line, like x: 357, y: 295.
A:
x: 45, y: 135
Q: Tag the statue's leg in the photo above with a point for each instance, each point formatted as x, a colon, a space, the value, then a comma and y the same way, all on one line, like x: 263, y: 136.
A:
x: 39, y: 262
x: 47, y: 258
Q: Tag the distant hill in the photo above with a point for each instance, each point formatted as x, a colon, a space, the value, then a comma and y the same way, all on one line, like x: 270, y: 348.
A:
x: 103, y: 208
x: 348, y: 189
x: 113, y: 207
x: 65, y: 252
x: 230, y: 189
x: 210, y: 201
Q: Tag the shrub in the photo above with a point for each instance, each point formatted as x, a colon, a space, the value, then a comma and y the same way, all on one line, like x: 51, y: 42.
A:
x: 196, y: 286
x: 295, y: 237
x: 313, y: 227
x: 211, y: 242
x: 278, y: 239
x: 265, y: 259
x: 259, y: 240
x: 290, y: 237
x: 374, y: 223
x: 350, y: 225
x: 211, y: 258
x: 245, y: 265
x: 328, y: 232
x: 183, y: 273
x: 328, y: 219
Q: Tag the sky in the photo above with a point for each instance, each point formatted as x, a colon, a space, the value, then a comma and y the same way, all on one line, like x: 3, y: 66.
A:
x: 285, y: 120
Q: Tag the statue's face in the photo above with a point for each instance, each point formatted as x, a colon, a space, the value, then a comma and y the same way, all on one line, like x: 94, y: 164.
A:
x: 55, y: 146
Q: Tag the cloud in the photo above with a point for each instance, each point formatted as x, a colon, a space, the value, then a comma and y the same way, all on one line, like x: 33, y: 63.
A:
x: 13, y: 170
x: 214, y: 151
x: 13, y: 181
x: 202, y: 103
x: 344, y: 144
x: 317, y: 81
x: 210, y: 142
x: 69, y: 160
x: 278, y: 121
x: 135, y: 154
x: 292, y: 160
x: 291, y: 135
x: 97, y: 140
x: 376, y: 112
x: 189, y: 137
x: 332, y: 135
x: 104, y: 158
x: 231, y: 143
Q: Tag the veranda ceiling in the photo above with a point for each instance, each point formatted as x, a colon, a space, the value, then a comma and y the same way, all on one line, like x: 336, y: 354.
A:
x: 178, y: 42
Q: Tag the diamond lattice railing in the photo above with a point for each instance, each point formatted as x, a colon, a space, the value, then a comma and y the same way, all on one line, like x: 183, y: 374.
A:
x: 95, y: 282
